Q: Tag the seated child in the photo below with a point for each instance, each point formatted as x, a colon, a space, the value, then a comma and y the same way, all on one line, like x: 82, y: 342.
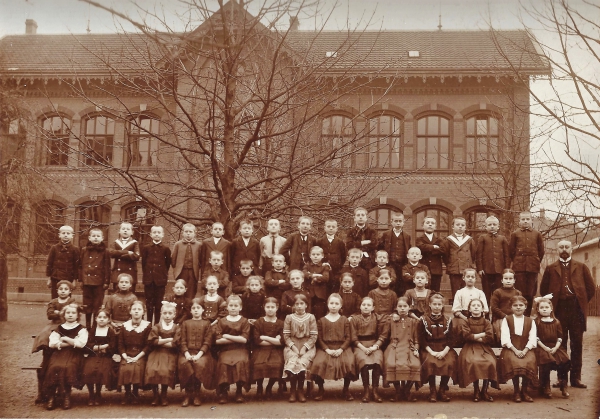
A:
x: 253, y: 299
x: 350, y: 299
x: 316, y: 277
x: 289, y: 297
x: 383, y: 297
x: 276, y: 280
x: 181, y: 301
x: 239, y: 282
x: 418, y: 297
x: 382, y: 262
x: 463, y: 297
x: 408, y: 270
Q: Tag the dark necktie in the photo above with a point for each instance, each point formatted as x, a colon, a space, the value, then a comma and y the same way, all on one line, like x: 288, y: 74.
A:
x: 272, y: 246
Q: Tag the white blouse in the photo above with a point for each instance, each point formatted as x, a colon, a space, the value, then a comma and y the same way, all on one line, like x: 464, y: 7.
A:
x: 79, y: 341
x: 519, y: 324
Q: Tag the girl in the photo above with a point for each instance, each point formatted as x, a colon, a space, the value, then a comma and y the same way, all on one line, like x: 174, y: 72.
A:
x: 231, y: 336
x: 162, y: 361
x: 183, y: 303
x: 518, y: 338
x: 438, y: 357
x: 401, y: 358
x: 384, y: 299
x: 253, y: 299
x: 98, y: 366
x: 213, y: 304
x: 300, y: 335
x: 418, y: 296
x: 64, y: 365
x: 267, y: 353
x: 334, y: 358
x: 477, y: 359
x: 350, y: 299
x: 368, y: 332
x: 549, y: 352
x: 462, y: 299
x: 133, y: 347
x: 289, y: 297
x: 196, y: 364
x: 500, y: 301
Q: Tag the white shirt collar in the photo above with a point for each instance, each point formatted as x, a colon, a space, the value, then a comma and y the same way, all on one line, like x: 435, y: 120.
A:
x: 565, y: 260
x: 429, y: 236
x: 159, y: 242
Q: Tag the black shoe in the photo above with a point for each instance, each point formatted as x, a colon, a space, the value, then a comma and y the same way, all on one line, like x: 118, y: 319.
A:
x: 577, y: 383
x: 50, y: 405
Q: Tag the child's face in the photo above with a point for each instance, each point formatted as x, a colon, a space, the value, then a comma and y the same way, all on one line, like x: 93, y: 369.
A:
x: 334, y: 305
x: 254, y: 287
x: 304, y: 226
x: 71, y: 314
x: 420, y: 280
x: 402, y: 308
x: 189, y: 233
x: 102, y: 319
x: 157, y: 233
x: 273, y: 227
x: 525, y: 220
x: 508, y: 280
x: 179, y: 289
x: 296, y: 281
x: 381, y: 259
x: 384, y: 281
x: 136, y: 311
x: 63, y: 291
x: 436, y: 305
x: 347, y: 283
x: 167, y: 314
x: 366, y: 306
x: 125, y: 231
x: 331, y: 227
x: 429, y: 225
x: 354, y: 258
x: 95, y: 237
x: 360, y: 217
x: 492, y: 225
x: 518, y: 308
x: 234, y: 307
x: 459, y: 226
x: 216, y: 261
x: 316, y: 256
x: 197, y: 311
x: 246, y: 269
x: 65, y: 234
x: 414, y: 254
x: 398, y: 222
x: 470, y: 278
x: 476, y: 308
x: 271, y: 309
x: 124, y: 284
x: 544, y: 309
x: 278, y: 262
x: 212, y: 285
x: 217, y: 230
x: 299, y: 307
x: 246, y: 230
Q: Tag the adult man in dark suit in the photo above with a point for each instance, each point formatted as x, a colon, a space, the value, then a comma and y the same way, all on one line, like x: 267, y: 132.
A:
x: 572, y: 286
x: 430, y: 245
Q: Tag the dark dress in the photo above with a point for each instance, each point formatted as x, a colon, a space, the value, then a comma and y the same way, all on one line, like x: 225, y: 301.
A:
x: 350, y: 303
x: 41, y: 340
x: 509, y: 364
x: 182, y: 311
x: 384, y: 300
x: 233, y: 364
x: 368, y: 331
x: 418, y: 305
x: 266, y: 361
x: 253, y: 304
x: 548, y: 333
x: 64, y: 367
x: 196, y: 336
x: 98, y: 366
x: 132, y: 341
x: 161, y: 367
x: 436, y: 332
x: 334, y: 335
x: 476, y: 360
x: 212, y: 309
x: 400, y: 362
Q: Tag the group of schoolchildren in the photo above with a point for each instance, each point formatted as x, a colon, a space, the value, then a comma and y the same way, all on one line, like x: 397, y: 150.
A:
x: 301, y: 311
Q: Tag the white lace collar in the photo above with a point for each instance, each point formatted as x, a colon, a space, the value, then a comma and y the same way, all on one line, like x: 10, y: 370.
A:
x: 128, y: 325
x: 546, y: 319
x: 165, y: 326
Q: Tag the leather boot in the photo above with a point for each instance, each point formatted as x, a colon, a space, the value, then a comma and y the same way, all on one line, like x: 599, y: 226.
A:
x: 320, y: 393
x: 293, y: 385
x: 197, y: 397
x: 441, y: 396
x: 563, y: 388
x: 50, y: 405
x: 432, y: 394
x: 365, y: 395
x: 524, y: 395
x: 375, y: 395
x: 300, y: 392
x: 484, y: 392
x: 156, y: 398
x: 476, y: 394
x: 547, y: 390
x: 67, y: 400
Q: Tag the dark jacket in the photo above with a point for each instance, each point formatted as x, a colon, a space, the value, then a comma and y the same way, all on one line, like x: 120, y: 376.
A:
x: 526, y: 249
x: 178, y: 257
x: 492, y: 253
x: 291, y: 249
x: 386, y: 244
x: 208, y: 245
x: 318, y: 287
x: 355, y: 235
x: 63, y: 262
x: 94, y: 264
x: 238, y: 251
x: 432, y: 257
x: 334, y: 253
x: 156, y: 261
x: 124, y: 263
x: 458, y: 258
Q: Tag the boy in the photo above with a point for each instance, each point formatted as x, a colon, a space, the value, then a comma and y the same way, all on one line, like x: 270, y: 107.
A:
x: 396, y: 243
x: 238, y: 284
x: 94, y: 273
x: 363, y: 238
x: 408, y: 270
x: 119, y: 303
x: 216, y: 262
x: 185, y: 260
x: 381, y: 258
x: 63, y: 261
x: 430, y: 245
x: 334, y: 252
x: 361, y: 279
x: 296, y: 247
x: 492, y: 256
x: 244, y: 247
x: 276, y: 282
x: 216, y: 242
x: 270, y: 245
x: 156, y: 260
x: 316, y: 277
x: 459, y: 250
x: 125, y: 253
x: 350, y: 299
x: 526, y: 249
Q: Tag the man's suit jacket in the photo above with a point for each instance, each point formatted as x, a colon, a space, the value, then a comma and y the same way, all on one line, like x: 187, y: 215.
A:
x: 526, y: 249
x: 208, y: 245
x: 583, y: 284
x: 238, y: 251
x: 178, y: 257
x: 492, y: 253
x: 293, y: 254
x: 355, y: 235
x: 386, y: 244
x: 334, y: 252
x: 431, y: 257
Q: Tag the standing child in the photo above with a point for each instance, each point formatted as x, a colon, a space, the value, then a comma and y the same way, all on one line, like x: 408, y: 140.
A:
x: 270, y: 245
x: 64, y: 365
x: 500, y: 304
x: 94, y: 273
x: 408, y: 270
x: 267, y: 352
x: 288, y: 299
x: 213, y: 304
x: 401, y: 358
x: 438, y: 357
x: 244, y: 247
x: 363, y: 238
x: 214, y: 243
x: 549, y: 353
x: 368, y: 333
x: 196, y: 365
x: 300, y: 335
x: 334, y: 250
x: 161, y: 367
x: 316, y: 276
x: 118, y: 305
x: 526, y: 249
x: 238, y: 284
x: 464, y: 296
x: 133, y: 347
x: 492, y: 256
x: 381, y: 260
x: 297, y: 246
x: 477, y: 360
x: 98, y: 366
x: 396, y: 243
x: 253, y: 299
x: 418, y: 297
x: 125, y: 253
x: 431, y: 249
x: 185, y: 260
x: 181, y: 301
x: 216, y: 269
x: 156, y: 260
x: 231, y: 335
x: 459, y: 250
x: 350, y: 299
x: 383, y: 297
x: 63, y: 261
x: 276, y: 280
x: 361, y: 278
x: 517, y: 359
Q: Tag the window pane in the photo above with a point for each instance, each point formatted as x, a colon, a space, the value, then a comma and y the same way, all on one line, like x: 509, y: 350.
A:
x: 395, y: 156
x: 422, y: 126
x: 145, y: 125
x: 493, y: 126
x: 444, y: 126
x: 384, y: 152
x: 471, y: 126
x: 384, y: 125
x: 482, y: 145
x: 482, y: 126
x: 89, y: 128
x: 326, y: 126
x: 432, y: 125
x: 101, y: 125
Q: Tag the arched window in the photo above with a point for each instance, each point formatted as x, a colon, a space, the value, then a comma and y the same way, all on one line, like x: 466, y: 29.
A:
x: 49, y: 217
x: 92, y: 215
x: 433, y: 143
x: 337, y: 133
x: 99, y: 137
x: 12, y: 140
x: 142, y: 219
x: 442, y: 216
x: 380, y: 218
x: 385, y: 147
x: 482, y: 141
x: 476, y: 220
x: 10, y: 215
x: 55, y: 137
x: 142, y: 146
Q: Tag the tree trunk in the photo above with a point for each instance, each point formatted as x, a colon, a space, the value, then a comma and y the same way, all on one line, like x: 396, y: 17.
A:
x: 3, y: 288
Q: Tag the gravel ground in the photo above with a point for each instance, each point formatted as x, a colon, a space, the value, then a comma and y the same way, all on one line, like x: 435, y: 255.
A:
x: 18, y: 390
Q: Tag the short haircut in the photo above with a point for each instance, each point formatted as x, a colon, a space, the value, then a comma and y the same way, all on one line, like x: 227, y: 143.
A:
x: 354, y: 250
x: 360, y: 209
x: 278, y: 256
x: 414, y: 248
x: 273, y: 219
x: 95, y: 229
x: 214, y: 253
x: 330, y: 220
x: 126, y: 223
x: 368, y: 298
x: 65, y: 282
x: 469, y: 270
x: 234, y: 297
x: 255, y: 278
x: 492, y: 217
x: 272, y: 300
x: 430, y: 217
x: 397, y: 214
x: 161, y: 228
x: 524, y: 213
x: 388, y: 271
x: 381, y: 252
x: 125, y: 276
x: 458, y: 218
x: 294, y: 271
x: 246, y: 262
x: 65, y: 227
x: 421, y: 271
x: 247, y: 222
x: 217, y: 223
x: 335, y: 295
x: 189, y: 225
x: 316, y: 249
x: 305, y: 217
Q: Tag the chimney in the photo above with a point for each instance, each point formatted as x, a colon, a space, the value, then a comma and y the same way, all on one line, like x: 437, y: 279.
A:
x: 294, y: 24
x: 30, y: 27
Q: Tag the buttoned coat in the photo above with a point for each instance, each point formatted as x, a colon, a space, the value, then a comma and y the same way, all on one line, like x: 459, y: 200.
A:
x: 208, y: 245
x: 156, y: 261
x: 432, y: 257
x: 334, y: 252
x: 492, y: 253
x: 291, y: 250
x: 355, y: 235
x: 238, y: 251
x: 386, y: 244
x: 458, y: 258
x: 94, y: 264
x: 63, y: 262
x: 123, y: 262
x: 526, y: 249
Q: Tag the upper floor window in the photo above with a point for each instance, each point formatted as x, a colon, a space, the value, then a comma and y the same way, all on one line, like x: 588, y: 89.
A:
x: 12, y: 140
x: 380, y: 218
x: 433, y: 143
x: 442, y: 216
x: 99, y: 136
x: 49, y: 217
x: 142, y: 218
x: 482, y: 142
x: 385, y: 149
x: 142, y: 147
x: 337, y: 133
x: 92, y: 215
x: 55, y: 133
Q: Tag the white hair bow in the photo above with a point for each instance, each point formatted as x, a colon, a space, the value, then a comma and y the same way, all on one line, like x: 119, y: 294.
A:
x: 547, y: 296
x: 169, y: 304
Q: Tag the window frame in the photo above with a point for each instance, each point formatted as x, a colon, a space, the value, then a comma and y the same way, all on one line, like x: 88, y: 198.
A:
x: 151, y: 135
x: 427, y: 136
x: 90, y: 156
x: 490, y: 161
x: 46, y: 230
x: 84, y: 225
x: 468, y: 215
x: 10, y: 138
x: 375, y: 137
x: 374, y: 221
x: 418, y: 222
x: 51, y: 140
x: 142, y: 224
x: 328, y: 140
